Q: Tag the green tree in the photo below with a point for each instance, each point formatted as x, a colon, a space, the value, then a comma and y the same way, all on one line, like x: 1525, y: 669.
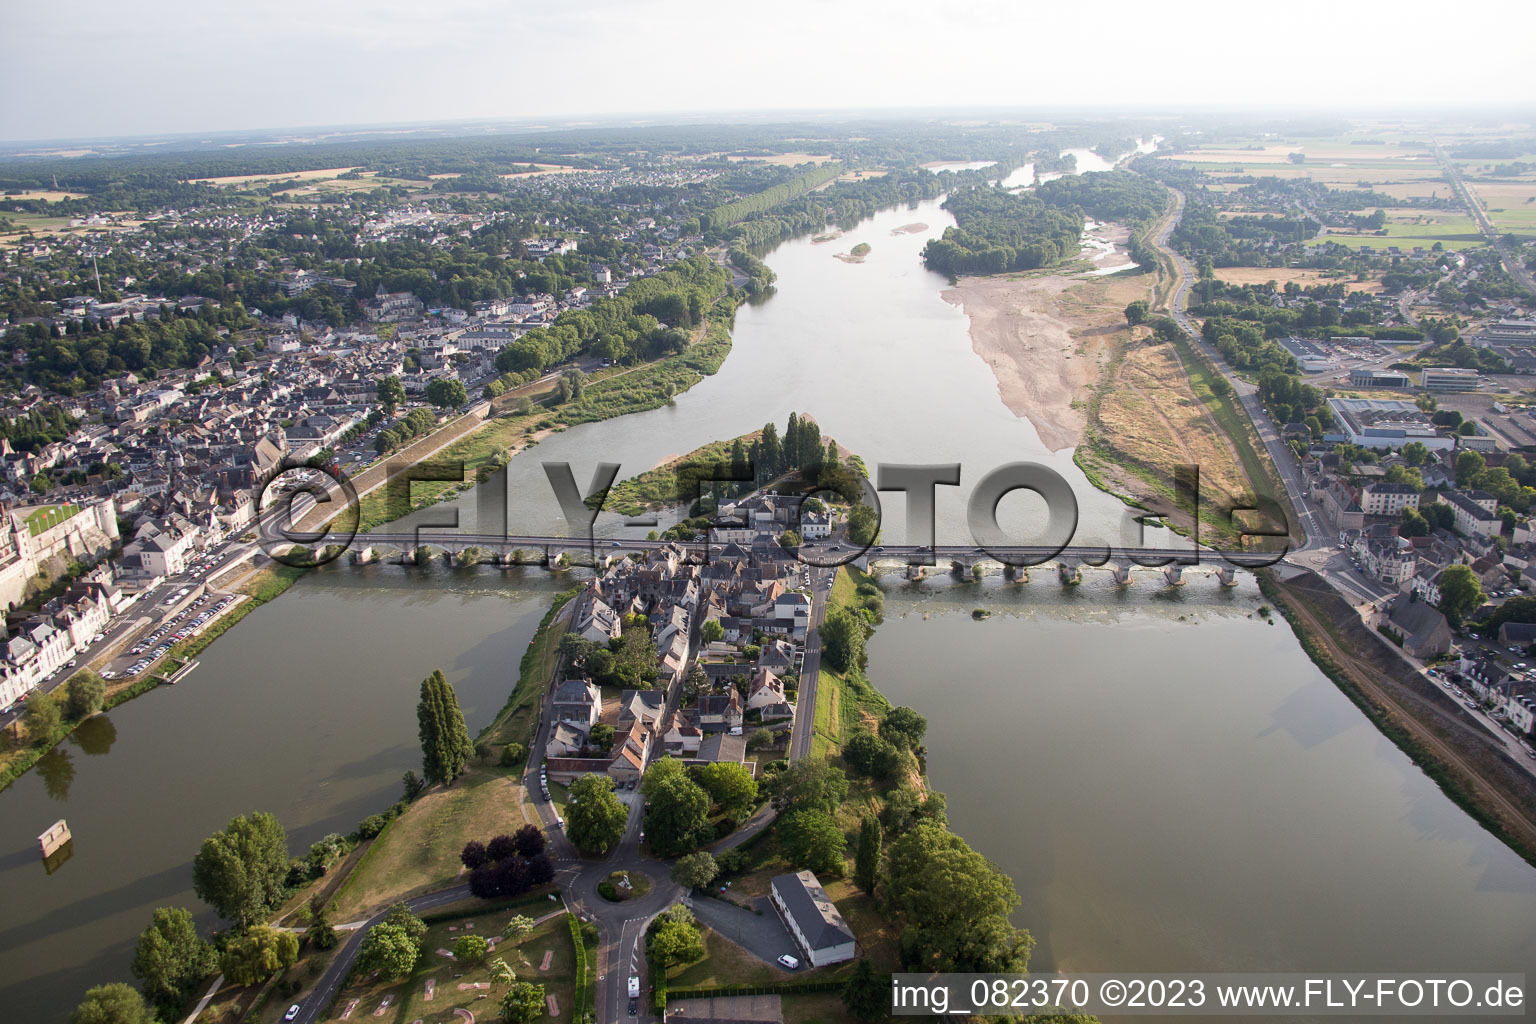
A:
x: 319, y: 934
x: 1438, y: 514
x: 1136, y: 312
x: 866, y: 861
x: 43, y: 719
x: 1469, y: 466
x: 696, y: 870
x: 730, y: 786
x: 116, y: 1003
x: 1460, y: 592
x: 519, y: 928
x: 872, y: 756
x: 594, y: 815
x: 808, y: 784
x: 1413, y: 524
x: 258, y: 954
x: 446, y: 393
x: 842, y: 640
x: 524, y: 1003
x: 863, y: 524
x: 904, y: 727
x: 169, y: 957
x: 867, y: 994
x: 240, y: 871
x: 811, y: 839
x: 712, y: 631
x: 673, y: 938
x: 677, y: 810
x: 86, y: 692
x: 470, y: 949
x: 501, y: 972
x: 390, y: 950
x: 1415, y: 453
x: 445, y: 744
x: 391, y: 393
x: 956, y: 905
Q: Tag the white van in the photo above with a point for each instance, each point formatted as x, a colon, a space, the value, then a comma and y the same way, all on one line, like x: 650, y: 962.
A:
x: 789, y: 963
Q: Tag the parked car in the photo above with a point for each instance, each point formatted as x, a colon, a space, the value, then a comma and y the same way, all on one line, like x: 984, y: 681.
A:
x: 788, y: 962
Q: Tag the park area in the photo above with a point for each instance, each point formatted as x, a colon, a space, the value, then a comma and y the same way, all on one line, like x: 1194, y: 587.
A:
x: 443, y: 989
x: 419, y: 851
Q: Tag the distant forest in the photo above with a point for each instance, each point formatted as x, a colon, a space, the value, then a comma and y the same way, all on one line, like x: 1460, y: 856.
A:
x: 998, y: 231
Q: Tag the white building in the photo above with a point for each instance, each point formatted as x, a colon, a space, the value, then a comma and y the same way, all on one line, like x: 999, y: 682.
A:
x: 1384, y: 499
x: 813, y: 919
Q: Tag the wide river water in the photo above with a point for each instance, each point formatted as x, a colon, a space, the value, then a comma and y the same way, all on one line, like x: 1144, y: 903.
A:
x: 1170, y: 782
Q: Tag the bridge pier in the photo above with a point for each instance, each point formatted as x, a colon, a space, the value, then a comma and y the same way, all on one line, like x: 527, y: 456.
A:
x: 1069, y: 571
x: 363, y: 556
x: 1227, y: 575
x: 915, y: 572
x: 1174, y: 574
x: 1121, y: 573
x: 1016, y: 573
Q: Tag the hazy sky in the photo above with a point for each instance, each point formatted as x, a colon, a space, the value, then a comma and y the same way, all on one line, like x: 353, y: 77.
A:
x: 105, y: 67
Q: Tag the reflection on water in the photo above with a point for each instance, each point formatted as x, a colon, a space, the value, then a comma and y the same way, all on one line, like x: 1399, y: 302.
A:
x: 306, y: 709
x: 1173, y: 786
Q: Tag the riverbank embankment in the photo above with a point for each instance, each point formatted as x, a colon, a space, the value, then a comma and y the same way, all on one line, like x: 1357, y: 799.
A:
x: 1410, y: 710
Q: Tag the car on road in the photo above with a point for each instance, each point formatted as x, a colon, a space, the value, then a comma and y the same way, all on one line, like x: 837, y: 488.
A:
x: 293, y: 1013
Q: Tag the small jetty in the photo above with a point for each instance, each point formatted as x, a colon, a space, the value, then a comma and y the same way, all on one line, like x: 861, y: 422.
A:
x: 57, y: 845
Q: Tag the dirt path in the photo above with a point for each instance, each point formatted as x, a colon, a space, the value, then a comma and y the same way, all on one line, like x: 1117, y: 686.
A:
x: 1520, y: 822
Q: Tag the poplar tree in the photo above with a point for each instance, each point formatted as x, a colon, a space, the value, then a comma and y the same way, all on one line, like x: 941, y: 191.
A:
x: 866, y: 863
x: 445, y: 744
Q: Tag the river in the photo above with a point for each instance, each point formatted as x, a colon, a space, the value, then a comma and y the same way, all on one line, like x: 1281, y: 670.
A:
x: 1181, y: 787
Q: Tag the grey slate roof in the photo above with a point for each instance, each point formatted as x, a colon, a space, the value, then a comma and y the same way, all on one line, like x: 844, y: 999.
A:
x: 813, y: 910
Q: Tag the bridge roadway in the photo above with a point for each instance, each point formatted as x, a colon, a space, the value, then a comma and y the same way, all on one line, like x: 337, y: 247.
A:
x: 1029, y: 554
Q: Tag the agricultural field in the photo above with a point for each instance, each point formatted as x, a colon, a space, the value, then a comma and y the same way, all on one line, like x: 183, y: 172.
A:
x: 1510, y: 204
x: 1407, y: 228
x: 784, y: 159
x: 264, y: 179
x: 1402, y: 171
x: 47, y: 195
x: 1285, y: 275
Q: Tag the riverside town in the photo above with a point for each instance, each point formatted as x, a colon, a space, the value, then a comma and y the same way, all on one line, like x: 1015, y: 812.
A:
x: 793, y: 517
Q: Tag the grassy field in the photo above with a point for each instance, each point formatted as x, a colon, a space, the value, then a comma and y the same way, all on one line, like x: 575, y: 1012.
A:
x: 419, y: 851
x: 659, y: 485
x: 467, y: 986
x: 1284, y: 275
x: 843, y: 701
x: 645, y: 387
x: 49, y: 516
x: 1511, y: 205
x: 515, y: 722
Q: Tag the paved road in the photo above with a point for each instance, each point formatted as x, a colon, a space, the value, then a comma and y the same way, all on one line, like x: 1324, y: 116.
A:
x: 1312, y: 528
x: 1511, y: 257
x: 761, y: 934
x: 148, y: 611
x: 330, y: 982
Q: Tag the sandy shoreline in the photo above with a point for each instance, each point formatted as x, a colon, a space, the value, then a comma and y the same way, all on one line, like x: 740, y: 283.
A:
x: 1044, y: 345
x: 1018, y: 330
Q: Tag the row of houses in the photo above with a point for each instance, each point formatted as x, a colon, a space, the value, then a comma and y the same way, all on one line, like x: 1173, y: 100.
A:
x: 708, y: 694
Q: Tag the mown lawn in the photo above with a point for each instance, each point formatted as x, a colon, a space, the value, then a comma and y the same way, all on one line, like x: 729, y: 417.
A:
x: 419, y: 851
